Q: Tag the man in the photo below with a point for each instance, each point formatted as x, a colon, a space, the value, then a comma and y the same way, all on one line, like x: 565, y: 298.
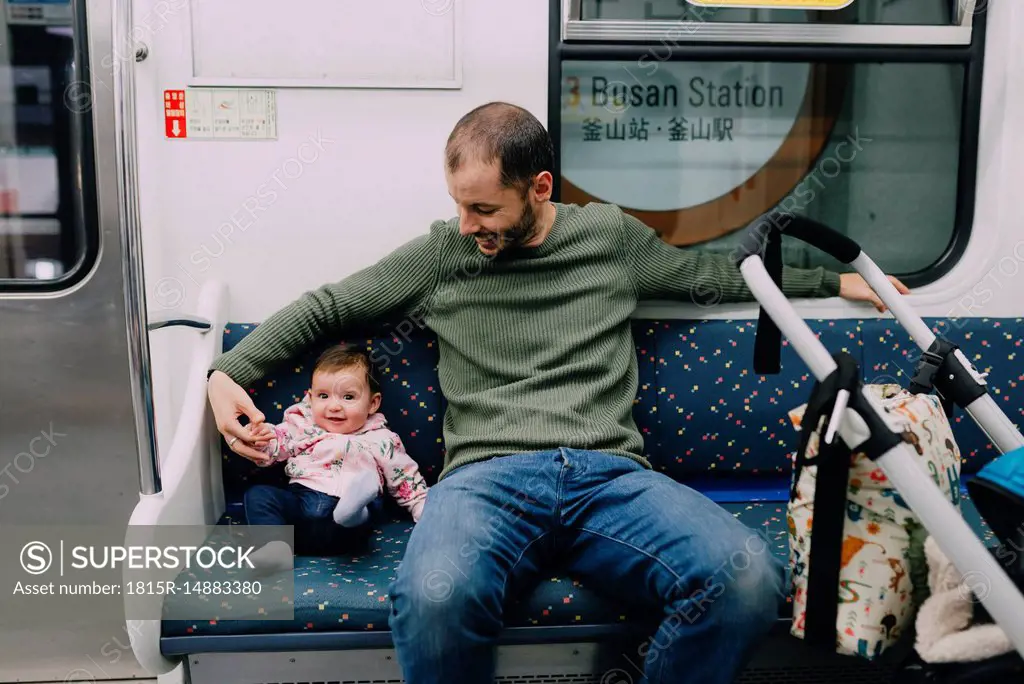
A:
x: 531, y: 301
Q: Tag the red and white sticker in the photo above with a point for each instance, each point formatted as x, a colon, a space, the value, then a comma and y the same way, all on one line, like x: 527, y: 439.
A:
x: 220, y: 113
x: 174, y: 114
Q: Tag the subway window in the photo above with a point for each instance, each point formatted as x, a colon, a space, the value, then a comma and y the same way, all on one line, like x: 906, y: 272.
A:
x: 46, y: 234
x: 872, y: 132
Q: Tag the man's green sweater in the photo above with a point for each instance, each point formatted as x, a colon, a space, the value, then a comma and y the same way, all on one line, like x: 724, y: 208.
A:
x: 535, y: 347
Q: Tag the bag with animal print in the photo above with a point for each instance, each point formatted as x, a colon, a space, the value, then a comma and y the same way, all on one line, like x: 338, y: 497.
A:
x: 882, y: 570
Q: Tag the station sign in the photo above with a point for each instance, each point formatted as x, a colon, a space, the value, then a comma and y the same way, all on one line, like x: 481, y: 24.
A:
x: 665, y: 136
x: 693, y: 149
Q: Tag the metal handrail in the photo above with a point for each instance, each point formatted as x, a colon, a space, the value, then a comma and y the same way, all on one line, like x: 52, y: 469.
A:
x: 140, y: 371
x: 183, y: 321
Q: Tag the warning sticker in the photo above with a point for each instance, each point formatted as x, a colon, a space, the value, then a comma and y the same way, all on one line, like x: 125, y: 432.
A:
x: 222, y: 114
x: 776, y: 4
x: 174, y: 114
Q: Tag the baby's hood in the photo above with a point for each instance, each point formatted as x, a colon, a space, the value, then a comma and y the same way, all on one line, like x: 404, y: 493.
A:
x: 375, y: 421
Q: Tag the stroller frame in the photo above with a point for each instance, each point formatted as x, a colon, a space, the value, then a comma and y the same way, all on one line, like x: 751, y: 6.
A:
x: 859, y: 421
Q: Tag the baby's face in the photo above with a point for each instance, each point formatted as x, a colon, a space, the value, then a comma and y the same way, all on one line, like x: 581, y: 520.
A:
x: 342, y: 400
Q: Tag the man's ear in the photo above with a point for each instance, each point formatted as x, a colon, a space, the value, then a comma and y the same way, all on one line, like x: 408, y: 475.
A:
x: 375, y: 402
x: 543, y: 185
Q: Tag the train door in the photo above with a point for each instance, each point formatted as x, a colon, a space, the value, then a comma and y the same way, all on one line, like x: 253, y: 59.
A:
x: 68, y: 439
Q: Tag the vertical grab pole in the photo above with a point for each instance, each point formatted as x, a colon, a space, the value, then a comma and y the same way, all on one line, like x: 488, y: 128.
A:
x: 131, y: 250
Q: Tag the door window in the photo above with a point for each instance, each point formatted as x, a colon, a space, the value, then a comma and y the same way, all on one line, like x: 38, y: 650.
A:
x: 46, y: 237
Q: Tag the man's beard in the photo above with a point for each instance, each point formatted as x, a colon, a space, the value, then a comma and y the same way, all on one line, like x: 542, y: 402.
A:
x: 515, y: 236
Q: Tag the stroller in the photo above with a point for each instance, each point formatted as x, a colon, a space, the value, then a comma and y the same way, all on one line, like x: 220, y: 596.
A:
x: 853, y: 416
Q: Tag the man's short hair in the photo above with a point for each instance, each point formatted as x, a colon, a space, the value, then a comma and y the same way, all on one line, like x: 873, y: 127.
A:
x: 506, y: 133
x: 343, y: 357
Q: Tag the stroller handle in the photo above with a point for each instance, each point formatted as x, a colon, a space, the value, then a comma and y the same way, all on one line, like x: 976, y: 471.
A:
x: 812, y: 232
x: 956, y: 539
x: 839, y: 246
x: 804, y: 341
x: 961, y: 382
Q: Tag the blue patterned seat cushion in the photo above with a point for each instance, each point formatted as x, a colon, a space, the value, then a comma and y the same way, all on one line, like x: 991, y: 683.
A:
x: 706, y: 418
x: 350, y: 593
x: 993, y: 345
x: 723, y: 426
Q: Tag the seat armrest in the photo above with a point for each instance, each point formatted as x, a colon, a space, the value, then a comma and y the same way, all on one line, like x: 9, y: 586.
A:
x: 192, y: 493
x: 190, y: 470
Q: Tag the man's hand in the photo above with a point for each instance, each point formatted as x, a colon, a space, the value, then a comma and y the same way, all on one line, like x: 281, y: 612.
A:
x: 853, y: 287
x: 228, y: 401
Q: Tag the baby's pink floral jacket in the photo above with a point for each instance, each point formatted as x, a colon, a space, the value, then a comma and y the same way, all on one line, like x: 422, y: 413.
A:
x: 323, y: 460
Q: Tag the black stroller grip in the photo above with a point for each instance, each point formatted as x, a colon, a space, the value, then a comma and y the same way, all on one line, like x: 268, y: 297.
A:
x: 764, y: 238
x: 810, y: 231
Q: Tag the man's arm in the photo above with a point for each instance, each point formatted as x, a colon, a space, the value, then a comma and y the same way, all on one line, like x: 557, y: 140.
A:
x: 399, y: 282
x: 662, y: 271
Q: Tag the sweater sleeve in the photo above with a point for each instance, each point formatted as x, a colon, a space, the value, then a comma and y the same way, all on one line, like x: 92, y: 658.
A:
x: 398, y: 283
x: 293, y: 434
x: 663, y: 271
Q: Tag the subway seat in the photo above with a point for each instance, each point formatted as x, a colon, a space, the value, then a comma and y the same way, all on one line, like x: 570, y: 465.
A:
x: 707, y: 420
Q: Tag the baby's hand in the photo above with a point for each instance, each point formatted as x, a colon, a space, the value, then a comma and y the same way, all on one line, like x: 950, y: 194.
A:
x: 261, y: 434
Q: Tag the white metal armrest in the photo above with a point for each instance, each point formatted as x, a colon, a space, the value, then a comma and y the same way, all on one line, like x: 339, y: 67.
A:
x: 192, y: 493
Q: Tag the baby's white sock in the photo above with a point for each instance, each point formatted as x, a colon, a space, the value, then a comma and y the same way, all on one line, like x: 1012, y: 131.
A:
x: 275, y: 556
x: 362, y: 488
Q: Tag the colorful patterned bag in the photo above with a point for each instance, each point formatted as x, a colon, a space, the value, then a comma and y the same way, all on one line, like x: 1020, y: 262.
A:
x: 882, y: 571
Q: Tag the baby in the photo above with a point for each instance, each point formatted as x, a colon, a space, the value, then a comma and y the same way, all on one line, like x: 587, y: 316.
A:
x: 338, y: 453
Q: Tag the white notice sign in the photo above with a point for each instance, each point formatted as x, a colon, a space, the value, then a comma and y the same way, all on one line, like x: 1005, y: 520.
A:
x: 230, y: 114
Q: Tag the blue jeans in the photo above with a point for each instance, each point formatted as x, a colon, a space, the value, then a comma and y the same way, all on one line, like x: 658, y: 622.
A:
x: 312, y: 514
x: 490, y: 530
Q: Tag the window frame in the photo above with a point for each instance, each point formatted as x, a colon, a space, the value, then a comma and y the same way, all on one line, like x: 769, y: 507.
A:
x: 626, y: 43
x: 83, y: 166
x: 575, y: 28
